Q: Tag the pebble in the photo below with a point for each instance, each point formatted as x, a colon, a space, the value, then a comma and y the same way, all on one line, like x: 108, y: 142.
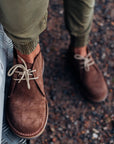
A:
x: 75, y: 123
x: 105, y: 128
x: 69, y: 126
x: 87, y: 132
x: 96, y: 131
x: 94, y: 136
x: 60, y: 129
x: 54, y: 139
x: 67, y: 116
x: 103, y: 56
x: 51, y: 136
x: 95, y: 43
x: 52, y: 129
x: 105, y: 73
x: 112, y: 142
x: 108, y: 82
x: 93, y: 108
x: 61, y: 11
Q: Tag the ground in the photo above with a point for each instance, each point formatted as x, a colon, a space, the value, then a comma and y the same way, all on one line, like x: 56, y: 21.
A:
x: 72, y: 119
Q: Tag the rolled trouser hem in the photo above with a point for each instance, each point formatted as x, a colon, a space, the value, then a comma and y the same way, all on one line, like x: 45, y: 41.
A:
x: 26, y: 48
x: 79, y: 41
x: 26, y: 40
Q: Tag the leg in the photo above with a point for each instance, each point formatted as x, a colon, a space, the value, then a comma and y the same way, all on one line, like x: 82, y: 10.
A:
x: 23, y: 21
x: 27, y: 108
x: 78, y: 18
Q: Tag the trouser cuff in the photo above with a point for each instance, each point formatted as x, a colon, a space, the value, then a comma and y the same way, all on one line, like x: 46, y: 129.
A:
x: 26, y: 48
x: 79, y: 41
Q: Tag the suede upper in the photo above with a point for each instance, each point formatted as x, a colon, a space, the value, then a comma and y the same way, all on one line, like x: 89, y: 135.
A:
x: 91, y: 80
x: 27, y: 108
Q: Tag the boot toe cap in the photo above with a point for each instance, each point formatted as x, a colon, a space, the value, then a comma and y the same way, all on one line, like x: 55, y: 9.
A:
x: 27, y: 122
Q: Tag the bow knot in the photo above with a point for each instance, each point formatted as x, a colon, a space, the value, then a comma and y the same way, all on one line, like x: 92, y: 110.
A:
x: 25, y: 73
x: 87, y: 61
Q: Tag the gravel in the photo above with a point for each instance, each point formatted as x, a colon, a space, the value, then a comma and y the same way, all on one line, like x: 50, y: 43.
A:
x: 72, y: 119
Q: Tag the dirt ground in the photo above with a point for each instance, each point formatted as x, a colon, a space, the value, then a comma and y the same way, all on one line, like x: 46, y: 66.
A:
x: 72, y: 119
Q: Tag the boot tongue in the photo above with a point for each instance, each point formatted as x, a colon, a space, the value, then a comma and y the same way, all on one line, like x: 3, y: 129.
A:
x: 29, y: 65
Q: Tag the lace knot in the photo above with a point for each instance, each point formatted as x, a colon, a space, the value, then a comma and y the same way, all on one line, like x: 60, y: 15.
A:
x: 87, y: 61
x: 25, y: 73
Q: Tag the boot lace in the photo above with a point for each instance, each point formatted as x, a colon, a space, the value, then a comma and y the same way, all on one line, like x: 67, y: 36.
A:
x: 25, y: 74
x: 87, y: 61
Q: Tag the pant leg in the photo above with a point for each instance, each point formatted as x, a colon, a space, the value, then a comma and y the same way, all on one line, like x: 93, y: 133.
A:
x: 23, y: 21
x: 78, y: 19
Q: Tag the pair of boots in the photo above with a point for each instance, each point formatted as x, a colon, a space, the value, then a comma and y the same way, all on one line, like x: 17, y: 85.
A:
x: 27, y: 106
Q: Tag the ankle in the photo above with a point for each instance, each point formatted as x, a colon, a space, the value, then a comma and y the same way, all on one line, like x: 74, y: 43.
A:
x: 81, y: 51
x: 30, y: 57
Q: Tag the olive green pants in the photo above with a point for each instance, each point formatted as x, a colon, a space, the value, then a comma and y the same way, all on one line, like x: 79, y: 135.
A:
x: 24, y: 20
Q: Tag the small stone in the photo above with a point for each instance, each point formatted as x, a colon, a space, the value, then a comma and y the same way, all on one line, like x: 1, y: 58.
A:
x: 105, y: 128
x: 95, y: 43
x: 71, y: 118
x: 96, y: 131
x: 83, y: 132
x: 87, y: 132
x: 61, y: 11
x: 110, y: 90
x: 75, y: 123
x: 94, y: 136
x: 51, y: 136
x: 100, y: 24
x: 108, y: 82
x: 103, y: 56
x: 93, y: 108
x: 67, y: 116
x: 106, y: 115
x: 52, y: 129
x: 112, y: 23
x: 87, y: 123
x: 108, y: 120
x: 54, y: 139
x: 60, y: 129
x: 69, y: 126
x: 111, y: 142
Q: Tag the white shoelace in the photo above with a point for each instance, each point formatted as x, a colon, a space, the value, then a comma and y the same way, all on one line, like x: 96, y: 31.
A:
x: 25, y: 74
x: 87, y: 61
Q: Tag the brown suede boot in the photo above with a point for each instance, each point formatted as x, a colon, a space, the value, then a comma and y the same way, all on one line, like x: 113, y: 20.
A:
x: 89, y: 76
x: 27, y: 107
